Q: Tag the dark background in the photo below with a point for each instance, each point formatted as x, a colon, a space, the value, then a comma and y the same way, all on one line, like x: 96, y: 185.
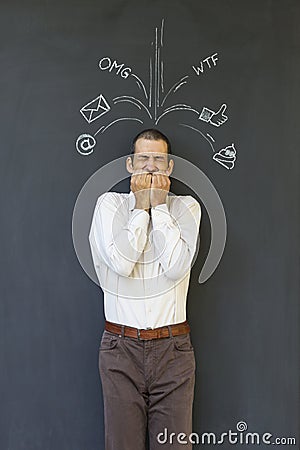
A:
x: 245, y: 318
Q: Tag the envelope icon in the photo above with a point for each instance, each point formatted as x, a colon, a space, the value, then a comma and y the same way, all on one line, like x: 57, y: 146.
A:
x: 95, y: 109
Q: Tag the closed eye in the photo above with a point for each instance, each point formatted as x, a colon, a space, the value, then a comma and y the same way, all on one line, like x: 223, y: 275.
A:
x: 143, y: 157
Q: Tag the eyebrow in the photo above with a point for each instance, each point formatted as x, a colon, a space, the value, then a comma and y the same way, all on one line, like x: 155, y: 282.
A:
x: 147, y: 156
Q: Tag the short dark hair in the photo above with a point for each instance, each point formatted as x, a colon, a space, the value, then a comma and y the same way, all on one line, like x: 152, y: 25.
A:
x: 152, y: 135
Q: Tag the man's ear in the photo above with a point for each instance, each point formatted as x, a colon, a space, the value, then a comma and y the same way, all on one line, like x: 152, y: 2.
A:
x: 129, y: 165
x: 170, y: 167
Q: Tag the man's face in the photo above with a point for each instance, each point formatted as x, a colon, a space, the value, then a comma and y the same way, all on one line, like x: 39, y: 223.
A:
x: 150, y: 156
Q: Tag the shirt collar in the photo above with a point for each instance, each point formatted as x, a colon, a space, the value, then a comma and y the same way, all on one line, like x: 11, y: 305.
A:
x: 131, y: 200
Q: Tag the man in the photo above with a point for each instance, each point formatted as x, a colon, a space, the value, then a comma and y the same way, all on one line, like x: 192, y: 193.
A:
x: 142, y: 245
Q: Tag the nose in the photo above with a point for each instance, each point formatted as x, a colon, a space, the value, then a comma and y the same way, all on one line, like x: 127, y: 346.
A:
x: 151, y: 167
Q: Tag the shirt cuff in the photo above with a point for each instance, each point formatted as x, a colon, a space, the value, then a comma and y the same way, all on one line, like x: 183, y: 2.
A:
x: 139, y: 218
x: 160, y: 215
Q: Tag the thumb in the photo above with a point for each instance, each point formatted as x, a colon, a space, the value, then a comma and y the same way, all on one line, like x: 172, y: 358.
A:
x: 222, y: 109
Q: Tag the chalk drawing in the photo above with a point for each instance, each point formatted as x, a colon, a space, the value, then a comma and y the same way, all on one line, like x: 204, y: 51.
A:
x: 140, y: 84
x: 200, y: 69
x: 210, y: 137
x: 226, y: 156
x: 107, y: 64
x: 214, y: 118
x: 174, y: 86
x: 135, y: 101
x: 154, y: 100
x: 85, y: 144
x: 118, y: 120
x: 200, y: 132
x: 173, y: 108
x: 95, y: 109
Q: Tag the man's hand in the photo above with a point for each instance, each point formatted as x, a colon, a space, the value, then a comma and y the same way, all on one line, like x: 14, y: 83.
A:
x: 160, y: 186
x: 140, y: 184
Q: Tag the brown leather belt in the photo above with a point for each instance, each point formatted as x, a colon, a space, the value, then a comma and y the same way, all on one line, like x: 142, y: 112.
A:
x: 148, y: 333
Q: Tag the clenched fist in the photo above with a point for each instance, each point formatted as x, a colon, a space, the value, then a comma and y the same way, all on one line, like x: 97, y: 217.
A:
x: 160, y: 187
x: 140, y: 185
x: 150, y: 189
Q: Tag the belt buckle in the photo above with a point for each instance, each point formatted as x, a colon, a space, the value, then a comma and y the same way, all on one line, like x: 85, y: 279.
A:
x: 139, y: 333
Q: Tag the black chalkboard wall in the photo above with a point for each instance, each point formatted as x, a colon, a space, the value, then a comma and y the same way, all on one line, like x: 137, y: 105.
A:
x: 243, y: 55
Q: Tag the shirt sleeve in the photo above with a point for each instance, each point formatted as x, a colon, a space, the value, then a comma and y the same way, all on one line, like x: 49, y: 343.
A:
x: 116, y: 238
x: 175, y: 237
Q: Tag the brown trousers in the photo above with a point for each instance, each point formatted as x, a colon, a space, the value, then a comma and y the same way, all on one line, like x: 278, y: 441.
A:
x: 148, y: 386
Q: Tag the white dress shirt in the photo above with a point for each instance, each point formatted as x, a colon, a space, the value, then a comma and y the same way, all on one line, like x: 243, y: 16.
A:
x: 143, y: 261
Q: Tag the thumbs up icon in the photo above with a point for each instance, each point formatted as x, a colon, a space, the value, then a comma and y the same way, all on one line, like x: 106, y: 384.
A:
x: 215, y: 118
